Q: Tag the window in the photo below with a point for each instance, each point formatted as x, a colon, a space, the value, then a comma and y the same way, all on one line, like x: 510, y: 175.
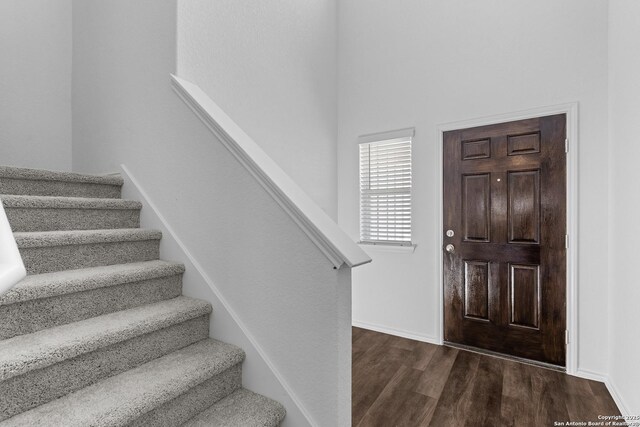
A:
x: 385, y: 188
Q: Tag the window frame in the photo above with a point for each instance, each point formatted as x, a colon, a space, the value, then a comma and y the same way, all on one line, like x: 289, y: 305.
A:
x: 390, y: 137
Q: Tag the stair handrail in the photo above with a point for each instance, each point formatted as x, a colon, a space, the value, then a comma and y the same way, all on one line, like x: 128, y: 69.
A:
x: 11, y: 266
x: 339, y: 248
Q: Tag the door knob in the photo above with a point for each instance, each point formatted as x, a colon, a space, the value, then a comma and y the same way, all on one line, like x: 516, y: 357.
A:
x: 450, y: 248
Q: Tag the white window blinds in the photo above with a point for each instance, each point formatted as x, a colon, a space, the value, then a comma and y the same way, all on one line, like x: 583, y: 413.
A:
x: 385, y: 191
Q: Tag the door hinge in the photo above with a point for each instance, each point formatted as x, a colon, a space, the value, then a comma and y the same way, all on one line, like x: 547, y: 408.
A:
x: 566, y: 336
x: 566, y: 241
x: 566, y: 145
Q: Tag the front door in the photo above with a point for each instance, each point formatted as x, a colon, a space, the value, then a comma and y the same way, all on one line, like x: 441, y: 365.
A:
x: 504, y: 238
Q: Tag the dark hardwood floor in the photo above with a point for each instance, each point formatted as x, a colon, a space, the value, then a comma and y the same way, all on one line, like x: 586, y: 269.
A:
x: 400, y: 382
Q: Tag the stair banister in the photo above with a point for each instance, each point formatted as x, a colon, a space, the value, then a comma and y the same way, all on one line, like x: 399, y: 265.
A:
x: 11, y: 267
x: 319, y: 227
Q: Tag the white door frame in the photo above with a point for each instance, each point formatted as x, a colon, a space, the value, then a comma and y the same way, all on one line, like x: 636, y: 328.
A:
x: 571, y: 110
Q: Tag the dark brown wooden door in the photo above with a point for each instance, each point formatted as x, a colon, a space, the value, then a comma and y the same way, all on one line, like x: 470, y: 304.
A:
x: 505, y: 271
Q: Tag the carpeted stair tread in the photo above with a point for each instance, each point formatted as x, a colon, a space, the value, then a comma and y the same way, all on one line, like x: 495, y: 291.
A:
x: 241, y: 408
x: 121, y: 399
x: 25, y: 353
x: 58, y: 202
x: 50, y: 251
x: 35, y: 239
x: 57, y: 213
x: 46, y: 175
x: 70, y: 281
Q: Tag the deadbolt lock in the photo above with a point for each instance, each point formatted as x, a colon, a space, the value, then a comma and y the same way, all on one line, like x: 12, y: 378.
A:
x: 450, y: 233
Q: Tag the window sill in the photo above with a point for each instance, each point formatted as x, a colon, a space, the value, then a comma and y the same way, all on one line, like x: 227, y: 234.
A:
x: 381, y: 247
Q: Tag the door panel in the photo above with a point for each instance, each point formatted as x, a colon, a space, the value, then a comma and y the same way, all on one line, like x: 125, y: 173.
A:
x: 524, y: 301
x: 475, y: 208
x: 476, y: 289
x: 524, y: 144
x: 472, y: 150
x: 524, y: 206
x: 504, y: 198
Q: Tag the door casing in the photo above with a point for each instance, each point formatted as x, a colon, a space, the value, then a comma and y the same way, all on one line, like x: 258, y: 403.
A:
x: 571, y: 111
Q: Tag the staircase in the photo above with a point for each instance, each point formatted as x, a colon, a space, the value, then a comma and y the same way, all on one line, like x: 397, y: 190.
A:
x: 98, y: 334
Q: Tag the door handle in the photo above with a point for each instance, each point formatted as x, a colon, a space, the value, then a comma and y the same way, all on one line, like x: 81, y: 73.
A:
x: 450, y: 248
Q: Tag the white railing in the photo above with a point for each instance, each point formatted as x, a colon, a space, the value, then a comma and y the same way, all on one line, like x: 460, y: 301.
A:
x: 11, y: 267
x: 321, y: 229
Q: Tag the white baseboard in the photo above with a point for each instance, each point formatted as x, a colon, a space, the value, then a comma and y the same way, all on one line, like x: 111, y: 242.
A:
x: 617, y: 397
x: 397, y: 332
x: 591, y: 375
x: 611, y: 387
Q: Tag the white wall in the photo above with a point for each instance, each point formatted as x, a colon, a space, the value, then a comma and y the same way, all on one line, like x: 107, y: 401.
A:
x: 624, y: 87
x: 35, y: 83
x: 271, y: 66
x: 278, y: 283
x: 424, y: 63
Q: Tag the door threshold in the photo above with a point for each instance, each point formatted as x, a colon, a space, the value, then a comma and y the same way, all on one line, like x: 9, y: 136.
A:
x: 506, y: 356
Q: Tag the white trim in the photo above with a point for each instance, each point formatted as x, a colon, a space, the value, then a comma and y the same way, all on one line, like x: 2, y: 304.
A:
x: 11, y: 266
x: 381, y: 247
x: 397, y: 332
x: 617, y: 398
x: 200, y: 270
x: 591, y: 375
x: 322, y: 230
x: 571, y: 110
x: 608, y: 382
x: 385, y: 136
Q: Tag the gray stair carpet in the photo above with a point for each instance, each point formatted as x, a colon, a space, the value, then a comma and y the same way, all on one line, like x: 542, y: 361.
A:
x: 98, y: 333
x: 241, y: 408
x: 46, y: 213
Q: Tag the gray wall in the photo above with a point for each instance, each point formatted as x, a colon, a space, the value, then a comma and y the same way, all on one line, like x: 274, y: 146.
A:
x: 35, y: 83
x: 271, y: 66
x: 624, y: 87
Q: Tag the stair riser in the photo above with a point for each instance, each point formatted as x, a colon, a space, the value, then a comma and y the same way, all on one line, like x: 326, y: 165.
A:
x: 31, y: 316
x: 27, y: 391
x: 181, y: 409
x: 28, y: 187
x: 29, y: 219
x: 38, y: 260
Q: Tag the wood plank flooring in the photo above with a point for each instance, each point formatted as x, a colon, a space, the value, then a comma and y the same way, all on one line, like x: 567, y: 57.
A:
x: 400, y: 382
